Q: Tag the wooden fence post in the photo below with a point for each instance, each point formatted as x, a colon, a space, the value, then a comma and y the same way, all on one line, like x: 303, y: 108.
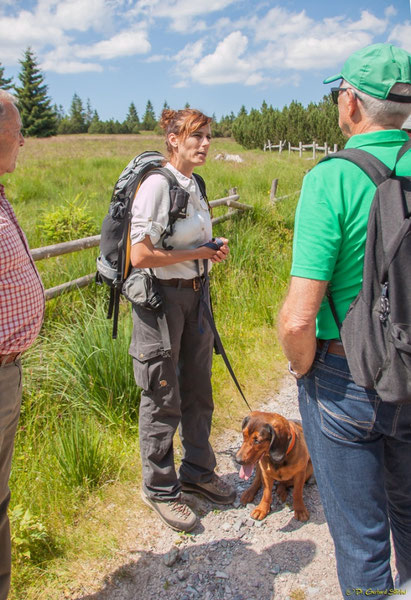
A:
x: 233, y: 192
x: 314, y: 149
x: 273, y: 190
x: 301, y: 149
x: 325, y: 149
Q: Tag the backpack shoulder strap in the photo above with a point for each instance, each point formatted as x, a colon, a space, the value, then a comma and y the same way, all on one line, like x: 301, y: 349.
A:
x: 403, y: 150
x: 201, y: 184
x: 171, y: 179
x: 376, y: 170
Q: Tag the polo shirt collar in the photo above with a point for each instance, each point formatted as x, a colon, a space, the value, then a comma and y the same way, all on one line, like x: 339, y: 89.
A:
x: 383, y: 136
x: 184, y: 181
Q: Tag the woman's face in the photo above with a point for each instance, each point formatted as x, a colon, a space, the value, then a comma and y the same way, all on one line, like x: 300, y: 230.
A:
x: 191, y: 151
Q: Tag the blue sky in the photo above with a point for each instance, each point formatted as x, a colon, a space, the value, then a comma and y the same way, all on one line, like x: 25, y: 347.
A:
x: 215, y: 54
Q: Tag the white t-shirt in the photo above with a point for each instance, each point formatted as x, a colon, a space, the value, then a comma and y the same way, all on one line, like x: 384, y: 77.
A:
x: 150, y: 217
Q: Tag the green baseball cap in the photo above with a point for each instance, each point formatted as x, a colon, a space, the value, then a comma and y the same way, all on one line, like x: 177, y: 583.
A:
x: 375, y: 69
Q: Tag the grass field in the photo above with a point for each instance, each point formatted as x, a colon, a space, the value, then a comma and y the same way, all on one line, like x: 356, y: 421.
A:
x: 77, y: 444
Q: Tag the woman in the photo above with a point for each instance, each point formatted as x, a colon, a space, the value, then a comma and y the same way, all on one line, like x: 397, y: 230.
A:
x: 176, y: 385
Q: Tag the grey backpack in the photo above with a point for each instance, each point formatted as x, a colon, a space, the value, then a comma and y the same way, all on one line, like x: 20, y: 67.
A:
x: 376, y: 332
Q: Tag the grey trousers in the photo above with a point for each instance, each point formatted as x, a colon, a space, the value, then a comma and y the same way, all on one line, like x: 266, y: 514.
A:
x: 176, y: 393
x: 10, y: 400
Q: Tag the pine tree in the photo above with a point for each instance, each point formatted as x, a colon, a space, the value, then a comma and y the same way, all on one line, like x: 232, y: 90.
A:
x: 5, y: 84
x: 88, y: 114
x: 149, y: 119
x: 38, y: 118
x: 78, y: 116
x: 132, y: 122
x: 59, y: 112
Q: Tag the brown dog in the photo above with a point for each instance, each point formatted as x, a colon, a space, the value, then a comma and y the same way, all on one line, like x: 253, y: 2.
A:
x: 277, y: 446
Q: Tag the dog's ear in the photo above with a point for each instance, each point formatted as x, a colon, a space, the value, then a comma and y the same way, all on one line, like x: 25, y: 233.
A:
x: 245, y: 422
x: 278, y: 446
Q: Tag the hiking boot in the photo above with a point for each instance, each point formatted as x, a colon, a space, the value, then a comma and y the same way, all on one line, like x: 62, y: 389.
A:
x: 215, y: 490
x: 173, y: 513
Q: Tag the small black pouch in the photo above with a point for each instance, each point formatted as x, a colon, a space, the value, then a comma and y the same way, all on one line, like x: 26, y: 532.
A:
x: 141, y: 288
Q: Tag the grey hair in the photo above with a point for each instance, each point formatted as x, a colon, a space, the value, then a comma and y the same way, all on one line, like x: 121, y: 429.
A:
x: 5, y: 98
x: 385, y: 112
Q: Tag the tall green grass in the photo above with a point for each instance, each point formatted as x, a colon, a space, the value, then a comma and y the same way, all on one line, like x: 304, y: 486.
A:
x: 79, y: 425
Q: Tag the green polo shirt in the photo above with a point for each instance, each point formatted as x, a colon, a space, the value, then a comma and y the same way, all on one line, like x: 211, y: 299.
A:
x: 331, y: 222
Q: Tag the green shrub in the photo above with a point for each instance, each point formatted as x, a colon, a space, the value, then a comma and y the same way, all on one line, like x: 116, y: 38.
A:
x: 84, y: 460
x: 70, y: 221
x: 28, y: 534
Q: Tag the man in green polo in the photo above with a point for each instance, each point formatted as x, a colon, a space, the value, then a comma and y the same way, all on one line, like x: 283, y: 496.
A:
x: 360, y: 446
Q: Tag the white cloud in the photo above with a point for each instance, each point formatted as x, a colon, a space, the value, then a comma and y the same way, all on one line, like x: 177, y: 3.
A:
x: 312, y: 52
x: 54, y: 23
x: 390, y: 11
x: 126, y: 43
x: 61, y: 60
x: 158, y: 58
x: 70, y: 66
x: 401, y: 35
x: 72, y: 36
x: 185, y: 60
x: 302, y: 44
x: 369, y: 22
x: 283, y: 41
x: 279, y: 22
x: 186, y: 8
x: 183, y: 14
x: 80, y: 15
x: 225, y: 65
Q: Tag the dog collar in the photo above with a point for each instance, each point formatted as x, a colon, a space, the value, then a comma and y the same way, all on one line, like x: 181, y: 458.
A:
x: 292, y: 443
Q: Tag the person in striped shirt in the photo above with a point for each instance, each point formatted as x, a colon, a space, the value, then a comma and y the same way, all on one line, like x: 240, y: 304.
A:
x: 21, y: 317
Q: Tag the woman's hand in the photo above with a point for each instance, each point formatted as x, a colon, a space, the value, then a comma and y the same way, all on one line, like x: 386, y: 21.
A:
x: 222, y: 253
x: 214, y: 255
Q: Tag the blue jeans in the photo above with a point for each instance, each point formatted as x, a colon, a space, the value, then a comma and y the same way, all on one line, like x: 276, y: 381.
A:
x: 361, y: 452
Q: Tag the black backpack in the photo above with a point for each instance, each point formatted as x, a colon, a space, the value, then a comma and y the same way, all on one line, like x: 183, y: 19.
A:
x: 113, y: 263
x: 376, y: 332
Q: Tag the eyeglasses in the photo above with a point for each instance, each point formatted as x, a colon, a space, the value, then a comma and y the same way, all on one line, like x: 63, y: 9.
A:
x: 335, y: 92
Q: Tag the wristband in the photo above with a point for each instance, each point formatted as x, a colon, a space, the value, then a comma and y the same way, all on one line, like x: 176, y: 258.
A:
x: 294, y: 373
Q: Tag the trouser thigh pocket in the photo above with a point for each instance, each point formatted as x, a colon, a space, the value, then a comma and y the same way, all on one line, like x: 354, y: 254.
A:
x: 146, y: 344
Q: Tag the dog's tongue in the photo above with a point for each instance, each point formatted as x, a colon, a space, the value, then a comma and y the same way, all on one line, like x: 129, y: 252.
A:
x: 246, y: 471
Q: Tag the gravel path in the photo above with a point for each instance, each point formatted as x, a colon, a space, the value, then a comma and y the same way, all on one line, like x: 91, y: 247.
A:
x: 229, y: 556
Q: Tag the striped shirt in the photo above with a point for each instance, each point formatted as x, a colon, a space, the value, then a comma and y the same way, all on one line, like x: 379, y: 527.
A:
x: 21, y: 289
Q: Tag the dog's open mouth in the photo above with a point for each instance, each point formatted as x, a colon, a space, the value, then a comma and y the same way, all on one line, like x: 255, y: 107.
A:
x: 246, y: 471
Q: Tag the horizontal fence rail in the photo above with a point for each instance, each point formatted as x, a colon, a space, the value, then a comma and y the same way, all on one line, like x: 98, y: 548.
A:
x: 65, y: 247
x: 230, y: 201
x: 315, y: 147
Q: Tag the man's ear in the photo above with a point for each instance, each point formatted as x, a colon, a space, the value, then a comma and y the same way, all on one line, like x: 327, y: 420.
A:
x: 353, y: 102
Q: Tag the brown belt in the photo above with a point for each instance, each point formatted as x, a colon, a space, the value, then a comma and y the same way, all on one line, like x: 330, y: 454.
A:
x: 182, y: 283
x: 335, y: 347
x: 8, y: 358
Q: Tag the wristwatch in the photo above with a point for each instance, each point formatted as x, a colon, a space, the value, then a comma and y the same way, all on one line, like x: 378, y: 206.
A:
x: 294, y: 373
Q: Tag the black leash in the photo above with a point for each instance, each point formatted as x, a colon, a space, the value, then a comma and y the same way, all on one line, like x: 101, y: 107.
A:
x: 206, y: 310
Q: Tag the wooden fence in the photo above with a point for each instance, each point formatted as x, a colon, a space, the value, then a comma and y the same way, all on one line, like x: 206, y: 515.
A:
x: 301, y: 148
x: 231, y: 201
